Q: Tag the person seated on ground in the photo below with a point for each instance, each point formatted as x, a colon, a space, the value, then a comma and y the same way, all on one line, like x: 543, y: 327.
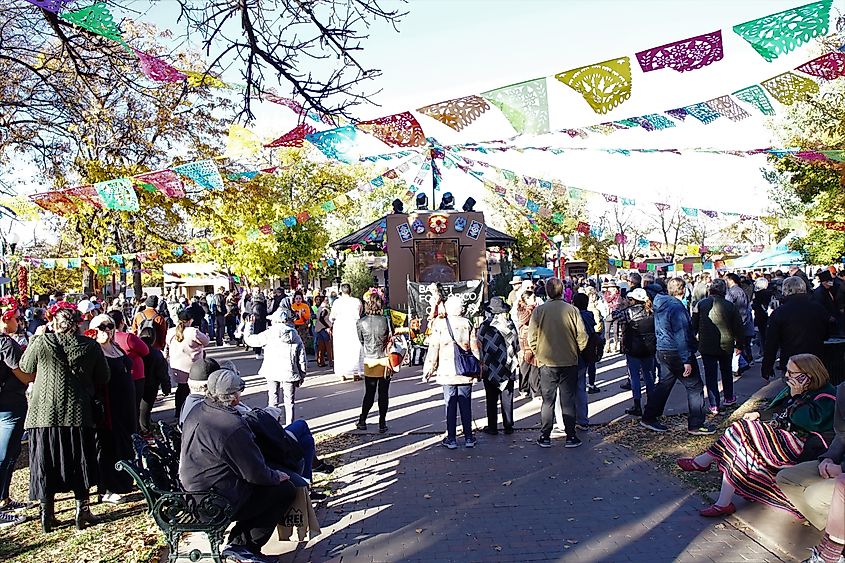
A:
x: 813, y: 487
x: 272, y: 438
x: 752, y: 451
x: 219, y: 452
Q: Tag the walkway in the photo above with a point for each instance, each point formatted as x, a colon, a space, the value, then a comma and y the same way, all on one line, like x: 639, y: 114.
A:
x: 402, y: 497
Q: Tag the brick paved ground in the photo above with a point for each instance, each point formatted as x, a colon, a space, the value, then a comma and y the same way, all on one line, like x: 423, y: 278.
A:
x: 402, y: 497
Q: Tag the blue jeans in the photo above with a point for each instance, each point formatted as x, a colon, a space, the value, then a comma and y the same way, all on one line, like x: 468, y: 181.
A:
x: 299, y: 429
x: 712, y: 366
x: 11, y: 430
x: 209, y: 319
x: 458, y: 396
x: 582, y: 413
x: 641, y: 369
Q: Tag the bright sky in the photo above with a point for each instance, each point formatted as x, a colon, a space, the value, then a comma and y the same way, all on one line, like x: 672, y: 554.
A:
x: 451, y: 48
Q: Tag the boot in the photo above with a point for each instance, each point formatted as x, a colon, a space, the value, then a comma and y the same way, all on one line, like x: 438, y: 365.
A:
x: 636, y: 410
x: 83, y: 515
x: 48, y: 517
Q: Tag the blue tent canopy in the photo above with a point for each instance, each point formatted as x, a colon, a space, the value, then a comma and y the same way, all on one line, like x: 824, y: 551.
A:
x: 772, y: 259
x: 536, y: 272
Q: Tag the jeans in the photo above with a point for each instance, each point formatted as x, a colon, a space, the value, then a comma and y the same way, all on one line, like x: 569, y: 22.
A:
x: 371, y: 385
x: 554, y: 380
x: 219, y: 328
x: 458, y: 396
x: 808, y: 491
x: 182, y: 392
x: 11, y: 430
x: 493, y: 395
x: 287, y: 390
x: 591, y: 373
x: 258, y: 515
x: 641, y: 370
x: 672, y: 370
x: 712, y: 366
x: 302, y: 434
x: 210, y: 323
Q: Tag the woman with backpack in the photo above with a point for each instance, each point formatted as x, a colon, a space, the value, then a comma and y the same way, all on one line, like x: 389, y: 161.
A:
x: 374, y: 332
x: 184, y: 347
x: 639, y: 343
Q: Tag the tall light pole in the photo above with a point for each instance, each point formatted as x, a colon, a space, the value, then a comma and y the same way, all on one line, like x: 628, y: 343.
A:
x: 558, y: 240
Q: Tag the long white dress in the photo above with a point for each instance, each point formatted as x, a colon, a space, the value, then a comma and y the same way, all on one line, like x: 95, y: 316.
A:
x: 346, y: 311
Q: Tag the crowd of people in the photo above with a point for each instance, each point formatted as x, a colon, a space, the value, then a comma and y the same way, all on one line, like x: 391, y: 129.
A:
x: 81, y: 378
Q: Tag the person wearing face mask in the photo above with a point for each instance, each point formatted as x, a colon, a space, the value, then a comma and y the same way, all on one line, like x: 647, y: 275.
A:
x: 114, y: 436
x: 60, y: 422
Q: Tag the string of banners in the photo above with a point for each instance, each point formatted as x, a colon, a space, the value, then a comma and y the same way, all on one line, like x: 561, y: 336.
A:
x: 106, y: 264
x: 604, y: 85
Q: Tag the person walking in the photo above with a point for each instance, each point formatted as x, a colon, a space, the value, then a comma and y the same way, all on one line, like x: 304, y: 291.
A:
x: 346, y: 311
x: 677, y: 361
x: 448, y: 334
x: 184, y: 347
x: 13, y: 407
x: 284, y: 365
x: 718, y: 324
x: 760, y: 307
x: 736, y: 295
x: 556, y: 337
x: 374, y: 332
x: 499, y: 346
x: 61, y: 417
x: 639, y: 343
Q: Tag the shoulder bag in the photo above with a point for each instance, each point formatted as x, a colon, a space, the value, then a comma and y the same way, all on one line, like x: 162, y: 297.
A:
x: 466, y: 363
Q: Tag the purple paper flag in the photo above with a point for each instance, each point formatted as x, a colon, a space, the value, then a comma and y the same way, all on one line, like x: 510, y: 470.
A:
x: 688, y: 54
x: 54, y: 6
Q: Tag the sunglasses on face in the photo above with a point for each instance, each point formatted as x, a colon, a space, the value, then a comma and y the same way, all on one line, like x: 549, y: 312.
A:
x: 105, y: 327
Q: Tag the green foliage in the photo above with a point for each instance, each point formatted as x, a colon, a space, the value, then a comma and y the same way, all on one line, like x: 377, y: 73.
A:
x: 595, y: 252
x: 357, y: 274
x: 814, y: 187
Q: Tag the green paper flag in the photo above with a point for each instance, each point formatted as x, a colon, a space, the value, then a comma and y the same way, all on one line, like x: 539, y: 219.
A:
x: 756, y: 96
x: 788, y: 88
x: 98, y: 20
x: 525, y: 105
x: 780, y: 33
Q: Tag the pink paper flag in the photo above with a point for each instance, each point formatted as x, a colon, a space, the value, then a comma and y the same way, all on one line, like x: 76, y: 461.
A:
x: 156, y: 69
x: 167, y: 182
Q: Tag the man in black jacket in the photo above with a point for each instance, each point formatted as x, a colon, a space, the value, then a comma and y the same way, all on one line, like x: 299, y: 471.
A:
x: 219, y: 451
x: 718, y: 324
x: 798, y: 326
x: 219, y: 310
x: 825, y: 295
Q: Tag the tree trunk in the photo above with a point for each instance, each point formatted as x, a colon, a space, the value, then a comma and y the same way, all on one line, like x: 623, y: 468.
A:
x: 87, y: 279
x: 136, y: 278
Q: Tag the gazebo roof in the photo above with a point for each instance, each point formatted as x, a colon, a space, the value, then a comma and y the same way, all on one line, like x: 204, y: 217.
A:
x: 494, y: 237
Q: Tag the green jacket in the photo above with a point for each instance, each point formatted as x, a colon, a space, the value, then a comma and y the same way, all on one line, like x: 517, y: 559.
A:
x: 63, y: 396
x: 809, y: 411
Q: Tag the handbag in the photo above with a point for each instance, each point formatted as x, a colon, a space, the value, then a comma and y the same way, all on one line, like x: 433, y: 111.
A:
x: 466, y: 363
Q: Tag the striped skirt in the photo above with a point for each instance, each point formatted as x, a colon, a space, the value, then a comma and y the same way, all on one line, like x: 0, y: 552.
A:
x: 750, y: 454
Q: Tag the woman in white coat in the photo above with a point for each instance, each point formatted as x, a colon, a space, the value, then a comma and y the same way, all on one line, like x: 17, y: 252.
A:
x: 184, y: 346
x: 346, y: 311
x: 284, y: 360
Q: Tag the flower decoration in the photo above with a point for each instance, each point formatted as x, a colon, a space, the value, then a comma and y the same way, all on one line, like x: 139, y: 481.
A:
x: 58, y: 306
x: 8, y: 308
x: 438, y: 224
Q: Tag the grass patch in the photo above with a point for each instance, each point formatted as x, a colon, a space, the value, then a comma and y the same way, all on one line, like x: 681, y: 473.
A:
x: 126, y: 535
x: 664, y: 449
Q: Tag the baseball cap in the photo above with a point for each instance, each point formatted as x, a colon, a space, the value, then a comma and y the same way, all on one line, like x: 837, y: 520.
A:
x: 224, y: 382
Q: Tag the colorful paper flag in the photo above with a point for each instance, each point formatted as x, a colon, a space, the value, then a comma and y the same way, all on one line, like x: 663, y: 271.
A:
x: 98, y: 20
x: 524, y: 105
x: 335, y: 143
x: 294, y: 137
x: 457, y: 113
x: 204, y: 173
x: 829, y: 66
x: 756, y: 96
x: 242, y: 143
x: 726, y: 106
x: 603, y: 85
x: 785, y: 31
x: 157, y: 69
x: 788, y: 88
x: 401, y: 129
x: 54, y: 6
x: 167, y: 182
x: 118, y: 194
x: 687, y: 54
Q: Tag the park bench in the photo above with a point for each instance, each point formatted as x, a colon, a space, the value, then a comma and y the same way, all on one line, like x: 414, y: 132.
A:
x: 175, y: 511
